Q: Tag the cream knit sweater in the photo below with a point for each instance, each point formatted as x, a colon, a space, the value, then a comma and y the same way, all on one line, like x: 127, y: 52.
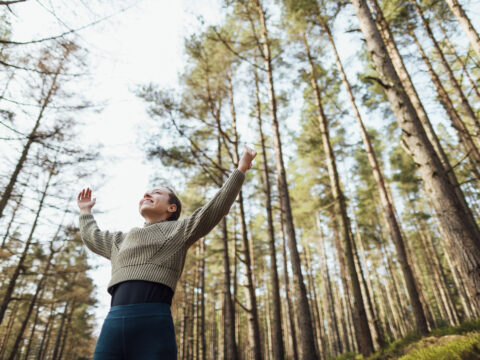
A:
x: 157, y: 251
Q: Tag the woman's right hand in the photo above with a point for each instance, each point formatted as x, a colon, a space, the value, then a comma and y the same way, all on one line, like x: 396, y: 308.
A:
x: 85, y: 202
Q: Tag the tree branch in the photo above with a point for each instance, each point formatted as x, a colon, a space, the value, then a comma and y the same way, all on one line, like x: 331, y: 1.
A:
x: 11, y: 2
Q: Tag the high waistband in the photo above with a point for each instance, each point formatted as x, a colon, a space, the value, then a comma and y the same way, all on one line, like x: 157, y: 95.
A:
x: 139, y: 309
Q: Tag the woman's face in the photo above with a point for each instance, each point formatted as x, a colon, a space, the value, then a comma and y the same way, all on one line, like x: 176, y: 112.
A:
x: 155, y: 203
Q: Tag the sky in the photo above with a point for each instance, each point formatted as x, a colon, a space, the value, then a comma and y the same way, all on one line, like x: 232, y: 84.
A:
x: 140, y: 45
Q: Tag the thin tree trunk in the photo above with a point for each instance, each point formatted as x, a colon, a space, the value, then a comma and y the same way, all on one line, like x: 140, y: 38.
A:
x: 32, y: 304
x: 319, y: 327
x: 47, y: 325
x: 277, y: 339
x: 448, y: 208
x: 213, y: 336
x: 67, y: 330
x: 306, y: 338
x: 361, y: 321
x: 16, y: 273
x: 451, y: 47
x: 374, y: 321
x: 230, y: 348
x: 252, y: 312
x: 348, y: 340
x: 417, y: 104
x: 32, y: 331
x: 470, y: 114
x: 291, y: 322
x: 14, y: 212
x: 56, y: 347
x: 203, y: 340
x: 31, y: 138
x: 457, y: 123
x: 329, y: 301
x: 464, y: 21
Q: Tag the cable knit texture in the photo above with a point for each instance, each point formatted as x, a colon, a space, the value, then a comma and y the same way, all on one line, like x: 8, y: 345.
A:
x: 157, y: 251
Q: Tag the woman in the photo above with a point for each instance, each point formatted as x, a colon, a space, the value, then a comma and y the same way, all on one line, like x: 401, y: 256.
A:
x: 146, y: 265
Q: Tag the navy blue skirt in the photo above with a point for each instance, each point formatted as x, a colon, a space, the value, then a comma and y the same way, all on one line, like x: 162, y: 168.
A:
x: 137, y: 331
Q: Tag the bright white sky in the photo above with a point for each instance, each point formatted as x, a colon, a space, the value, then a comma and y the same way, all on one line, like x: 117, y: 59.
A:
x: 141, y: 45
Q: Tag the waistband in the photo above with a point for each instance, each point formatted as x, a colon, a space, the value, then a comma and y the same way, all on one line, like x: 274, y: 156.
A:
x: 139, y: 309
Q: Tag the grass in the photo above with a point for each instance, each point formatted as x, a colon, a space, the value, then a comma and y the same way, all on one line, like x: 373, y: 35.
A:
x: 460, y: 342
x: 458, y: 347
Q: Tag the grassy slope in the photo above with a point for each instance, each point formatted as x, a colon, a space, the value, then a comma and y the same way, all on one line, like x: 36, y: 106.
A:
x: 450, y: 343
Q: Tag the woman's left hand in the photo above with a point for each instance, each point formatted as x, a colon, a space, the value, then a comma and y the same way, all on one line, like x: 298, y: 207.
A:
x: 245, y: 162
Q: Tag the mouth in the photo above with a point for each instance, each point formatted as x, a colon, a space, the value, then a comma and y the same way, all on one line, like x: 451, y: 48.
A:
x: 145, y: 201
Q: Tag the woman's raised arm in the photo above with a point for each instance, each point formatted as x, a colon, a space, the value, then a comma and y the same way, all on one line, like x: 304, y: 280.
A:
x: 100, y: 242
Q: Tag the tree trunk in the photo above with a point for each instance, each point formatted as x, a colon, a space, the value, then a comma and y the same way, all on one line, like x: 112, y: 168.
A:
x: 31, y: 138
x: 447, y: 206
x: 407, y: 83
x: 361, y: 322
x: 14, y: 212
x: 47, y: 326
x: 202, y: 329
x: 316, y: 315
x: 31, y: 306
x: 252, y: 310
x: 277, y: 339
x: 307, y: 340
x: 367, y: 293
x: 470, y: 114
x: 32, y: 331
x: 451, y: 47
x: 417, y: 104
x: 230, y: 348
x: 67, y: 330
x: 387, y: 205
x: 329, y: 301
x: 464, y: 135
x: 16, y: 273
x: 291, y: 321
x: 463, y: 19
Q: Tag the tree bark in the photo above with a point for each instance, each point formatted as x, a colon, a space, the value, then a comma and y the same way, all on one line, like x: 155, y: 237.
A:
x: 387, y: 205
x: 291, y: 321
x: 334, y: 336
x: 16, y: 273
x: 307, y: 340
x: 361, y: 321
x: 277, y: 339
x: 458, y: 124
x: 31, y: 138
x: 407, y: 83
x: 470, y: 114
x: 451, y: 47
x: 252, y: 310
x: 467, y: 26
x: 447, y: 206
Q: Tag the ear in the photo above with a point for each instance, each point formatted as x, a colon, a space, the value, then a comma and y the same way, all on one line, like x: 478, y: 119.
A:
x: 172, y: 208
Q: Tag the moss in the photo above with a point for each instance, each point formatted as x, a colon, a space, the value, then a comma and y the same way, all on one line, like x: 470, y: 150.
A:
x: 462, y: 341
x: 454, y: 347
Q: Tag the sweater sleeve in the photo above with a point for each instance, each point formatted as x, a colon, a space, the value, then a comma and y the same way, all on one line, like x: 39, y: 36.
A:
x: 100, y: 242
x: 204, y: 219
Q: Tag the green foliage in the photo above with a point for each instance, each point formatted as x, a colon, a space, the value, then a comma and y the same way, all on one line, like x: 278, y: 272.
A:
x: 396, y: 348
x: 349, y: 356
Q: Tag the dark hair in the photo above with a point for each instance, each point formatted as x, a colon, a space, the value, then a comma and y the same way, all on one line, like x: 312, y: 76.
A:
x: 173, y: 199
